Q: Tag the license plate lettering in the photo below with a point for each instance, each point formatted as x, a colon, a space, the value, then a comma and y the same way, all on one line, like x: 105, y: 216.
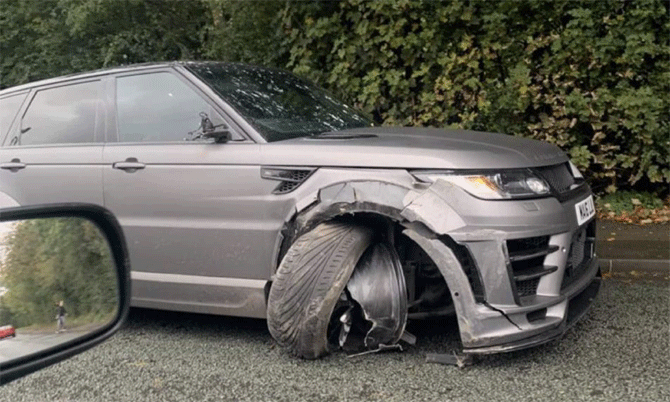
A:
x: 585, y: 210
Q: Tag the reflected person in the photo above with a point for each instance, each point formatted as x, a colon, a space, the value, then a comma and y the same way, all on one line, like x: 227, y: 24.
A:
x: 60, y: 317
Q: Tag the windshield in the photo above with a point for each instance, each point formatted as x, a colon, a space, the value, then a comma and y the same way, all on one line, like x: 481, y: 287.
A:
x: 278, y: 104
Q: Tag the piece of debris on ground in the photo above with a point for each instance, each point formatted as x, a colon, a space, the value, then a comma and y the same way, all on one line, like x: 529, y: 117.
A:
x: 452, y: 359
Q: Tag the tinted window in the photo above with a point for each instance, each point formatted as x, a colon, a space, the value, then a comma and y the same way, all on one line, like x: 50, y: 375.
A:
x: 280, y: 105
x: 158, y: 107
x: 61, y: 115
x: 8, y: 108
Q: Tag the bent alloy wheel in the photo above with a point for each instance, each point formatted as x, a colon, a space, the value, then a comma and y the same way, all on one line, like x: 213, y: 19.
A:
x: 334, y: 289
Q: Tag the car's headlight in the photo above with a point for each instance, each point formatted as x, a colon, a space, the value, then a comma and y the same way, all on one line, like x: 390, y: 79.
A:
x: 517, y: 183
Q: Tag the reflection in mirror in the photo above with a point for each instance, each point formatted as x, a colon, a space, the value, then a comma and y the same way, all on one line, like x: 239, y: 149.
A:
x: 57, y: 283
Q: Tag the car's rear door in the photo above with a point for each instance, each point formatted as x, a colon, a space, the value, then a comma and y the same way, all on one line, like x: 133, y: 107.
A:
x: 53, y: 152
x: 191, y: 210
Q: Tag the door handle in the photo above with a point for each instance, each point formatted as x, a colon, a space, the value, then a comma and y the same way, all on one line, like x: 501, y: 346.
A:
x: 130, y: 165
x: 15, y: 165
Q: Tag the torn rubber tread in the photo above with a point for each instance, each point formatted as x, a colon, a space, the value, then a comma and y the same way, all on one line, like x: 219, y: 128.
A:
x: 308, y: 284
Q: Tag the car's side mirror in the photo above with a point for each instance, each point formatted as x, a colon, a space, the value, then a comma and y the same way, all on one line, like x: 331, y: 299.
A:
x: 64, y: 284
x: 219, y: 136
x: 218, y: 132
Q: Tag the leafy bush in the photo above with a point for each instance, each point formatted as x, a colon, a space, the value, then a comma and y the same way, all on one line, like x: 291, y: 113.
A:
x: 47, y: 38
x: 591, y: 77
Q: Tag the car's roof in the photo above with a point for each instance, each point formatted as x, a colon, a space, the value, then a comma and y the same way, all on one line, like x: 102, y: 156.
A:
x: 103, y: 71
x: 85, y: 74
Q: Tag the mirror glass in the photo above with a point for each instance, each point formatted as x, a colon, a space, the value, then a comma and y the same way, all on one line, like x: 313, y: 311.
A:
x: 57, y: 283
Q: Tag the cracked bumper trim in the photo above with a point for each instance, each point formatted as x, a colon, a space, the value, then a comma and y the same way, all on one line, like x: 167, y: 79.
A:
x: 577, y: 306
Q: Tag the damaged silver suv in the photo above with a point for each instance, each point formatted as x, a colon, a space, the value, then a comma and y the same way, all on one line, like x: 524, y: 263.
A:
x: 247, y: 191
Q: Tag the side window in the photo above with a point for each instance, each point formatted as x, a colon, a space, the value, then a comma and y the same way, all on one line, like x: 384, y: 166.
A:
x: 8, y: 108
x: 158, y: 107
x: 62, y: 115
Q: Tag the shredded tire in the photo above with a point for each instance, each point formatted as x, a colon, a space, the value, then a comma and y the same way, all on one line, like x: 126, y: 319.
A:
x: 308, y: 284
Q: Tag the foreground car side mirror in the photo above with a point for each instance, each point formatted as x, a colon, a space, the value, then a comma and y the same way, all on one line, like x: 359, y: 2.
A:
x: 219, y: 136
x: 64, y: 284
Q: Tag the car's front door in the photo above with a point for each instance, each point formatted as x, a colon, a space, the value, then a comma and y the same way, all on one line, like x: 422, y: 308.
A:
x: 191, y: 210
x: 53, y: 152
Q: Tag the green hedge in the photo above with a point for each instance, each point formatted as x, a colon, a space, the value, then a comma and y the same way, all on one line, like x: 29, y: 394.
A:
x: 591, y: 76
x: 46, y: 38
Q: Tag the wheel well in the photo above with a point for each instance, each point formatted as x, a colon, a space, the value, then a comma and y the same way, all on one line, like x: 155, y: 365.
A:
x: 427, y: 291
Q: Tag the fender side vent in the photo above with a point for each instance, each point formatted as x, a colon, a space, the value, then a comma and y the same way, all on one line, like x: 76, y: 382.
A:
x: 289, y: 177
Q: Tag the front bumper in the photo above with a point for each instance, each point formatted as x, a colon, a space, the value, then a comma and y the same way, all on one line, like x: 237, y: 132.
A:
x: 558, y: 318
x: 532, y: 272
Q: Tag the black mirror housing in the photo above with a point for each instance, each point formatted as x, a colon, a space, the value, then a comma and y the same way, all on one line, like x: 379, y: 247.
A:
x: 219, y: 137
x: 111, y: 230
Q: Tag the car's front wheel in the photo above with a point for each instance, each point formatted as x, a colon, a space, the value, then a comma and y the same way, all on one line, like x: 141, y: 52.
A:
x: 337, y: 287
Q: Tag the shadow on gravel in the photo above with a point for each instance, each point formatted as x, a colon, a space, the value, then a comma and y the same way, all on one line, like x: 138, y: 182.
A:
x: 439, y: 335
x: 191, y: 322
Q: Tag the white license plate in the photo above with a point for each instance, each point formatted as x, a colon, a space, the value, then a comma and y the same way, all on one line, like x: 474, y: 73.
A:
x: 585, y: 210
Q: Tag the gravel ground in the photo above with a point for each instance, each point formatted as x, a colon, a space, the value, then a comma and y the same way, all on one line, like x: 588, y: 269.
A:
x: 618, y: 352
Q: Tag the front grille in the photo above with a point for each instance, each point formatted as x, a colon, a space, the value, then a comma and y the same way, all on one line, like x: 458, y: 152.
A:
x: 527, y: 288
x: 527, y: 244
x: 526, y: 262
x: 581, y: 252
x: 559, y: 177
x: 576, y: 255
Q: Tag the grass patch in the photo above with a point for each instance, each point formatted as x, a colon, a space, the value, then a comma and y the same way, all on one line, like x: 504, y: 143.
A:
x: 82, y: 322
x: 633, y: 207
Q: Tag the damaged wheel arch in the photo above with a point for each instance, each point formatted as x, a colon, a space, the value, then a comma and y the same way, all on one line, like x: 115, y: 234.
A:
x: 412, y: 204
x: 359, y: 202
x: 408, y: 203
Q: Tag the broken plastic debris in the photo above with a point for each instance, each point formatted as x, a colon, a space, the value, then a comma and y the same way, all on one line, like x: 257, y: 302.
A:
x: 409, y: 338
x: 381, y: 348
x: 452, y: 359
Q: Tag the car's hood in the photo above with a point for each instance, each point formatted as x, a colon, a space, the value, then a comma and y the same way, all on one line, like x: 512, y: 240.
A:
x: 418, y: 148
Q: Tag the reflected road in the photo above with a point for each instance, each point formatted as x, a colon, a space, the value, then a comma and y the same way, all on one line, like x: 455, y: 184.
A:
x: 24, y: 344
